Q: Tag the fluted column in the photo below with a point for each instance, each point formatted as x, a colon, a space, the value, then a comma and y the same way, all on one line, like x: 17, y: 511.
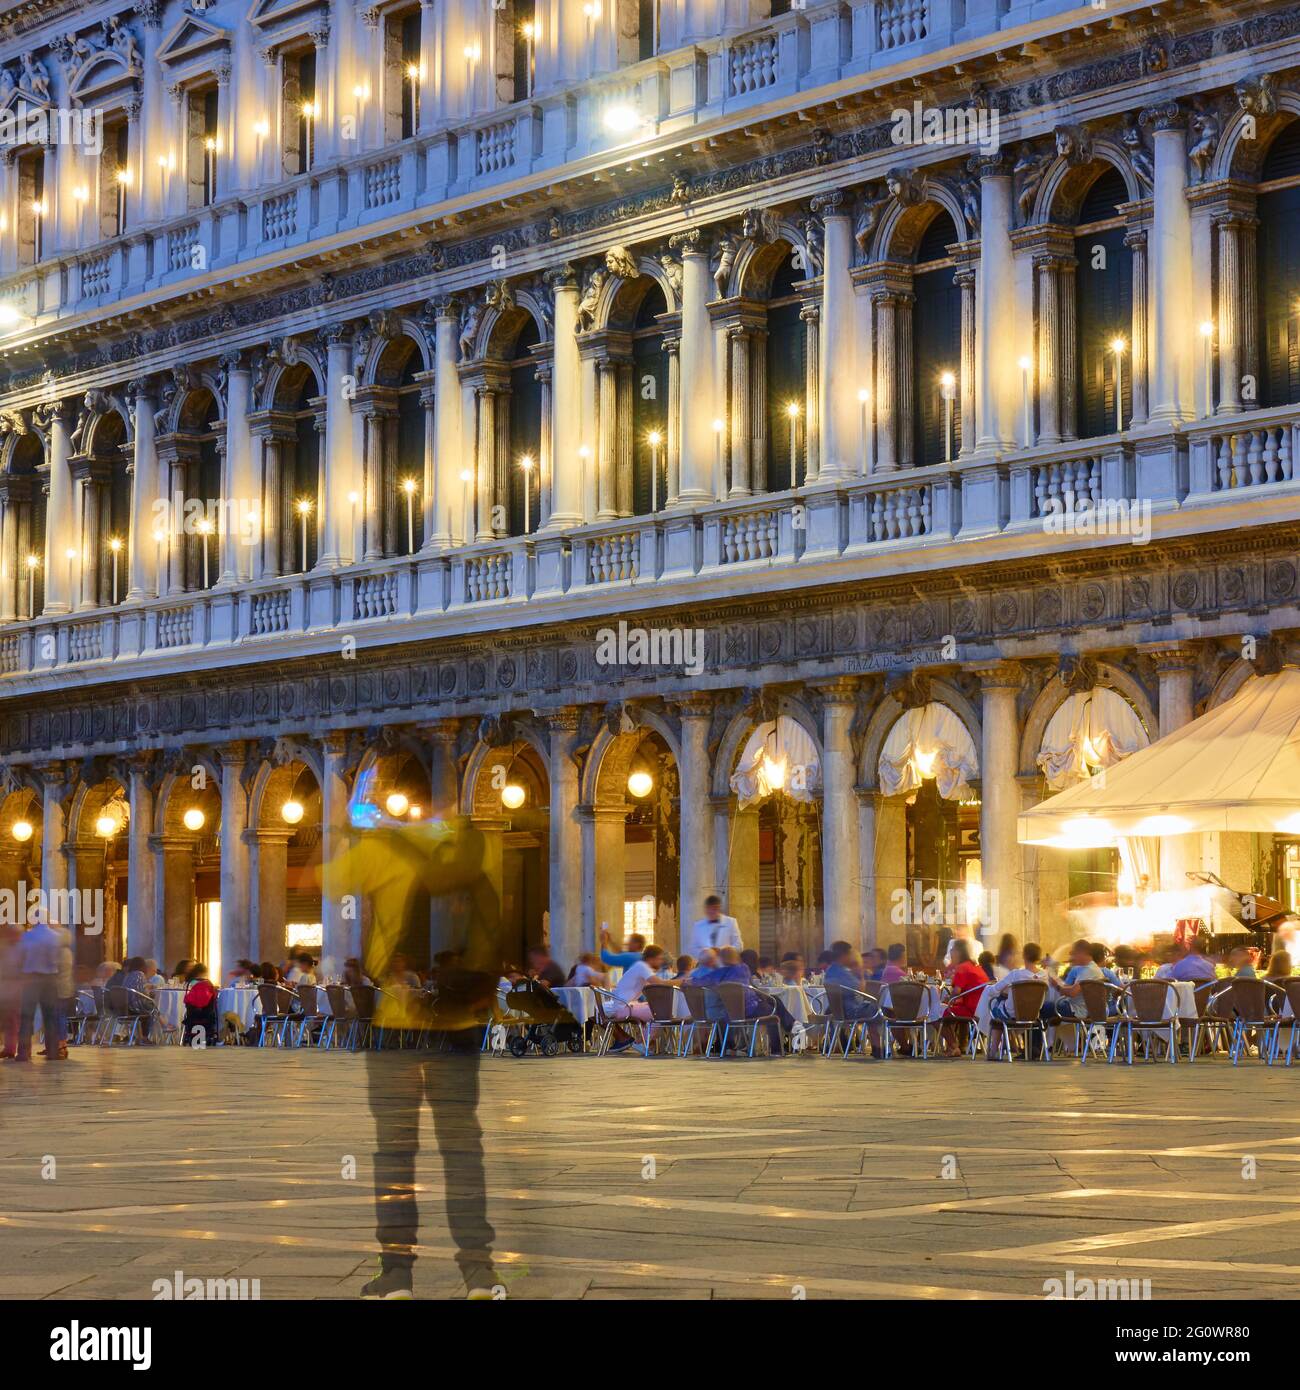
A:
x: 841, y: 912
x: 86, y: 593
x: 837, y: 407
x: 141, y: 861
x: 606, y: 440
x: 742, y: 443
x: 1000, y: 859
x: 997, y: 375
x: 428, y: 67
x: 810, y: 317
x: 240, y: 493
x: 673, y: 442
x: 696, y: 857
x: 59, y: 519
x: 698, y: 408
x: 142, y: 579
x: 485, y: 472
x: 1174, y: 343
x: 1231, y: 232
x: 449, y: 454
x: 340, y: 466
x: 10, y: 578
x: 1049, y: 335
x: 886, y: 306
x: 565, y: 838
x: 1136, y: 241
x: 566, y: 417
x: 965, y: 280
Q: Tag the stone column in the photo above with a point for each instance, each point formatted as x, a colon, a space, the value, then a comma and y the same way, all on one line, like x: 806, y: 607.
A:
x: 141, y: 864
x: 268, y: 861
x: 886, y: 305
x: 235, y: 897
x: 566, y: 408
x: 1231, y: 232
x: 178, y: 897
x: 695, y: 353
x: 340, y: 467
x: 59, y: 518
x: 340, y: 905
x: 841, y: 911
x: 54, y: 862
x: 11, y: 575
x: 1136, y: 241
x: 736, y: 866
x: 810, y: 317
x: 604, y: 872
x: 566, y: 869
x: 606, y: 440
x: 995, y: 291
x: 882, y: 849
x: 143, y: 573
x: 696, y: 859
x: 1176, y: 669
x: 448, y: 449
x: 88, y: 877
x: 86, y: 580
x: 1000, y: 792
x: 673, y: 422
x: 742, y: 458
x: 240, y: 495
x: 838, y: 409
x: 965, y: 281
x: 486, y: 458
x: 1046, y: 269
x: 1174, y: 342
x: 429, y: 65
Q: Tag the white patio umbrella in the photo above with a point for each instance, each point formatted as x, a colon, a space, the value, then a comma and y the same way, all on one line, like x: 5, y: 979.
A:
x: 1235, y: 768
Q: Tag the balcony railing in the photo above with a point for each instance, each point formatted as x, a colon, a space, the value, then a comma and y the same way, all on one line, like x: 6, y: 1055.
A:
x: 823, y: 42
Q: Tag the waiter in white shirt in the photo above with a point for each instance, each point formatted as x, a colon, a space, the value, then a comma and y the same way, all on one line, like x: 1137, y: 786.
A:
x: 714, y: 929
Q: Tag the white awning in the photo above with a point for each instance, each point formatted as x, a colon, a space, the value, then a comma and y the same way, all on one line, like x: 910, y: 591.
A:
x: 1235, y: 768
x: 929, y: 741
x: 1092, y: 729
x: 779, y: 756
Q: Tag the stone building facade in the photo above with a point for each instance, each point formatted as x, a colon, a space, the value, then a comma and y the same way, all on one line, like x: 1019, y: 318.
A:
x: 382, y: 362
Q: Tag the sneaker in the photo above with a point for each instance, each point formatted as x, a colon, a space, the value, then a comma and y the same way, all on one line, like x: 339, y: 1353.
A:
x: 389, y: 1283
x: 621, y: 1046
x: 479, y: 1295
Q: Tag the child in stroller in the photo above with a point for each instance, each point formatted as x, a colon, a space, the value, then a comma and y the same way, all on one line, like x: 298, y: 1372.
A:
x: 550, y: 1025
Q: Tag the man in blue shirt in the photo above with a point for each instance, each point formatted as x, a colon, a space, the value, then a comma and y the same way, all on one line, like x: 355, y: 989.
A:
x: 625, y: 959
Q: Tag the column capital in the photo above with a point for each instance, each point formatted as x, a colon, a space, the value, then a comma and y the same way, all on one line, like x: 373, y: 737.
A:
x: 335, y: 742
x: 562, y: 277
x: 835, y: 204
x: 1169, y: 657
x: 694, y: 242
x: 441, y: 730
x: 1165, y: 115
x: 235, y: 753
x: 839, y: 691
x: 695, y: 704
x: 56, y: 774
x: 564, y: 720
x: 998, y: 675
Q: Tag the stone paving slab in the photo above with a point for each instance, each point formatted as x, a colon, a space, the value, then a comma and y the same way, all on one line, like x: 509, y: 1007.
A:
x: 823, y: 1174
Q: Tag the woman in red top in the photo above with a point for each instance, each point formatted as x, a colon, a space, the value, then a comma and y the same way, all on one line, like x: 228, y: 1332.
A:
x: 968, y: 982
x: 200, y: 1009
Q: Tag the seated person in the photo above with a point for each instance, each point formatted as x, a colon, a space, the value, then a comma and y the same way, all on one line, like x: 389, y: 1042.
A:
x: 874, y: 965
x: 153, y: 976
x: 1241, y: 961
x: 683, y: 967
x: 1066, y: 1001
x: 999, y: 993
x: 733, y: 970
x: 138, y: 999
x: 705, y: 969
x: 1279, y: 967
x: 542, y: 967
x: 968, y: 981
x: 586, y: 971
x: 791, y: 968
x: 200, y: 1008
x: 628, y: 1001
x: 895, y: 964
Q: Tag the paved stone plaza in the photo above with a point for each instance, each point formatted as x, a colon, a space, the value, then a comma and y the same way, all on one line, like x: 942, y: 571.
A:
x: 767, y: 1176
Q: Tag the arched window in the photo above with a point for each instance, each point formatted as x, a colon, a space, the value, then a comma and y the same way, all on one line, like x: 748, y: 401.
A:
x: 522, y: 463
x: 787, y: 381
x: 649, y: 404
x: 1278, y: 254
x: 936, y: 346
x: 1103, y: 308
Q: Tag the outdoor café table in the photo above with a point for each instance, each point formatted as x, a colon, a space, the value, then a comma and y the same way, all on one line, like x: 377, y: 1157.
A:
x: 235, y: 999
x: 579, y: 1000
x: 932, y: 1007
x: 802, y: 1001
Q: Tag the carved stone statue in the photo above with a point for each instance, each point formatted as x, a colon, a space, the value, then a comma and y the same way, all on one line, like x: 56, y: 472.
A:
x: 673, y: 274
x: 619, y: 261
x: 728, y: 249
x: 1206, y: 129
x: 36, y: 79
x: 590, y: 299
x: 868, y: 219
x: 1139, y: 156
x: 1256, y: 95
x: 469, y: 325
x: 1029, y: 172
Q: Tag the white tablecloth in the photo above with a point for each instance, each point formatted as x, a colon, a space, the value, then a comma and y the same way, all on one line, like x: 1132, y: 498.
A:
x: 578, y: 999
x: 238, y: 1000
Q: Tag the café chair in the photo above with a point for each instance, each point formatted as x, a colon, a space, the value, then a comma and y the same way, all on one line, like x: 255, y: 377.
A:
x: 1149, y: 1007
x: 1026, y: 1000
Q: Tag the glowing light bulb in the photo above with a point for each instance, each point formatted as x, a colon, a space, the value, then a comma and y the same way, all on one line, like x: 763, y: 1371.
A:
x: 193, y: 819
x: 397, y: 804
x: 512, y: 796
x: 640, y: 784
x: 621, y: 119
x: 291, y: 812
x: 106, y: 827
x: 1207, y: 329
x: 21, y: 830
x: 792, y: 410
x: 1118, y: 345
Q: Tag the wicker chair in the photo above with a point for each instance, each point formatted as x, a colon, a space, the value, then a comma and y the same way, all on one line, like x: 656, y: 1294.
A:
x: 1096, y: 996
x: 906, y: 1014
x: 279, y: 1012
x: 606, y: 1021
x: 1027, y: 999
x: 1147, y: 1009
x: 841, y: 1021
x: 1213, y: 1019
x: 665, y: 1021
x: 1250, y: 1001
x: 734, y: 997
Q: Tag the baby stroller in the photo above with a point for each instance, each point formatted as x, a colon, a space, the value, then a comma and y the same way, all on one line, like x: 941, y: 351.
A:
x: 544, y: 1023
